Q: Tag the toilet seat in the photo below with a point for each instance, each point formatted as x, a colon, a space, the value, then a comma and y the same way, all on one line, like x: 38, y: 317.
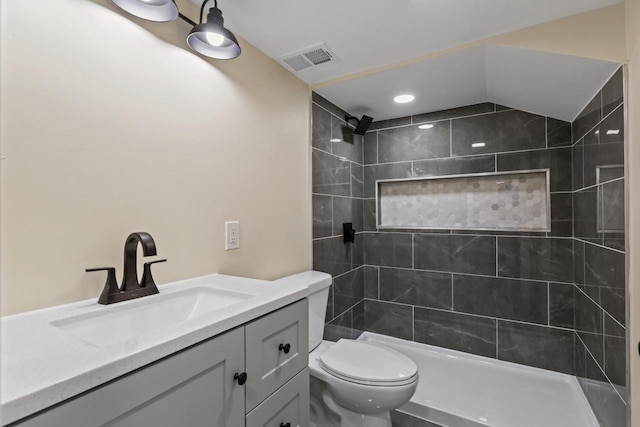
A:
x: 368, y: 364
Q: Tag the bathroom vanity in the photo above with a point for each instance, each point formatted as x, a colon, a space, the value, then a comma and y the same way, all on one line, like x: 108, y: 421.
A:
x: 241, y: 364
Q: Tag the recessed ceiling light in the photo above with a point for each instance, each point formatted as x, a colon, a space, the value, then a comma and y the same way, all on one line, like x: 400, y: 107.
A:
x: 403, y: 99
x: 613, y: 132
x: 478, y: 144
x: 425, y: 126
x: 335, y: 140
x: 597, y: 132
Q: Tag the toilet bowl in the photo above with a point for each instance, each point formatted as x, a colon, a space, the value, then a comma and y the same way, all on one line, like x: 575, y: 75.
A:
x: 359, y: 383
x: 353, y: 383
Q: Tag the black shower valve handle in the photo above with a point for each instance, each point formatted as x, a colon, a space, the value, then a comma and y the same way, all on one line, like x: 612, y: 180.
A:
x: 349, y: 233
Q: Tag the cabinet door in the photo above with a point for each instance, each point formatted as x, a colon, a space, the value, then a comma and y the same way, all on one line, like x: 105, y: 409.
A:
x: 290, y: 405
x: 194, y: 388
x: 268, y: 366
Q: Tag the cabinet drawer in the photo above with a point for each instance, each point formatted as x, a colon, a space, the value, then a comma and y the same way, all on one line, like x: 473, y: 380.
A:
x: 277, y: 348
x: 290, y: 405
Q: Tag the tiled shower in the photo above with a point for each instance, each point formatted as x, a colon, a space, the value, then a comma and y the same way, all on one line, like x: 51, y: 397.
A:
x: 554, y: 300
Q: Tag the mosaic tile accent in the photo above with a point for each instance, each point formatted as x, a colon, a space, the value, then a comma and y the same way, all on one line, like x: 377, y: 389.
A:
x: 512, y: 201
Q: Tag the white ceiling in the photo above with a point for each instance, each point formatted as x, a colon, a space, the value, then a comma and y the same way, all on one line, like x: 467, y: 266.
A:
x: 544, y: 83
x: 367, y: 34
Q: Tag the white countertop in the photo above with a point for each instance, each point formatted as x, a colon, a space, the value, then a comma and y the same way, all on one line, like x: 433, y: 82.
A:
x: 41, y: 365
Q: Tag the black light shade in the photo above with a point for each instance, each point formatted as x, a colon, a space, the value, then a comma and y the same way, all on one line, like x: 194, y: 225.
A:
x: 151, y: 10
x: 212, y: 39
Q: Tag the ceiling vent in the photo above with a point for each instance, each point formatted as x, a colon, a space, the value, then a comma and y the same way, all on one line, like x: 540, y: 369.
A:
x: 309, y: 57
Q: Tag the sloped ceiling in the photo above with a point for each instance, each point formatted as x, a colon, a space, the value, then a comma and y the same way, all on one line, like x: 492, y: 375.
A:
x: 367, y: 34
x: 544, y: 83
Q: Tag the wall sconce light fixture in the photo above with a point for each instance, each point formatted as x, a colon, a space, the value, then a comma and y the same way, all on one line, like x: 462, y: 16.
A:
x: 151, y: 10
x: 212, y: 39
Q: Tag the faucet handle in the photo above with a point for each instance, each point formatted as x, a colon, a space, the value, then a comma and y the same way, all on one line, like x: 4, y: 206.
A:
x: 110, y: 286
x: 147, y: 278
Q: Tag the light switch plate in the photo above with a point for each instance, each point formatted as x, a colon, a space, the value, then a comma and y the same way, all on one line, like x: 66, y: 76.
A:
x: 232, y: 235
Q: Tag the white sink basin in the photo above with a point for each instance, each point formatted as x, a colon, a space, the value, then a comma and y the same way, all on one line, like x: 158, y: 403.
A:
x: 116, y: 325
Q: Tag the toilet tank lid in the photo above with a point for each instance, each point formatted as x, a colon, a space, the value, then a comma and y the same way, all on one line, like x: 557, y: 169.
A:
x: 314, y: 280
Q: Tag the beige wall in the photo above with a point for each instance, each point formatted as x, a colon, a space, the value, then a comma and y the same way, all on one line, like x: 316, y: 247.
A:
x: 633, y: 202
x: 108, y: 128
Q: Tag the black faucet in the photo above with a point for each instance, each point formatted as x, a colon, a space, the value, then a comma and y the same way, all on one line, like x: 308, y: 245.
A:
x: 131, y: 288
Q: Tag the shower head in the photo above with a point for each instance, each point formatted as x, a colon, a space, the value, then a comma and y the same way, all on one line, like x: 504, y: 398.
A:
x: 363, y: 124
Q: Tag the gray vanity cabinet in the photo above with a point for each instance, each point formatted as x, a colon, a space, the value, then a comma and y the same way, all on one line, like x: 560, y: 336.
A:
x: 289, y: 405
x: 194, y: 388
x: 277, y: 348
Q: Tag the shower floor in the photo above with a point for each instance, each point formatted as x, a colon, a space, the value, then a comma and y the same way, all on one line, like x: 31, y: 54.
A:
x: 462, y: 390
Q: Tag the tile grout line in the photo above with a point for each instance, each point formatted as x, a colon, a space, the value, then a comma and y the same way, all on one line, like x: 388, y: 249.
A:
x: 601, y: 308
x: 600, y: 246
x: 546, y: 132
x: 549, y: 304
x: 479, y: 275
x: 599, y: 123
x: 482, y: 316
x: 413, y: 122
x: 601, y: 369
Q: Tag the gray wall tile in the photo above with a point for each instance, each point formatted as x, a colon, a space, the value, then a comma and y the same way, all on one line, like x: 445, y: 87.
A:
x: 371, y: 148
x: 455, y: 253
x: 588, y: 118
x: 604, y: 267
x: 371, y: 282
x: 322, y: 216
x: 615, y: 360
x: 453, y: 113
x: 321, y: 128
x: 588, y: 314
x: 416, y: 287
x: 463, y: 332
x: 537, y: 346
x: 613, y: 93
x: 331, y: 256
x: 369, y: 215
x: 562, y: 215
x: 386, y: 249
x: 348, y: 290
x: 413, y: 143
x: 454, y: 166
x: 502, y: 298
x: 389, y: 319
x: 614, y: 302
x: 505, y: 131
x: 558, y: 133
x: 557, y: 160
x: 327, y: 105
x: 382, y: 124
x: 373, y: 173
x: 536, y: 258
x: 577, y: 167
x: 346, y: 210
x: 562, y: 305
x: 330, y: 174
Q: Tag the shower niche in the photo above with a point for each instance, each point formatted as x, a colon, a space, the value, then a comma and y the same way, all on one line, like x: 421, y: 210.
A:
x: 503, y: 201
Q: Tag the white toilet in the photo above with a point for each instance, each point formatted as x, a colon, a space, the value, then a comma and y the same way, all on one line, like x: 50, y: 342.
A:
x: 353, y: 383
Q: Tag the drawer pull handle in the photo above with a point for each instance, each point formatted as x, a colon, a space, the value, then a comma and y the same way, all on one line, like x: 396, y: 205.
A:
x: 285, y: 347
x: 240, y: 378
x: 285, y: 425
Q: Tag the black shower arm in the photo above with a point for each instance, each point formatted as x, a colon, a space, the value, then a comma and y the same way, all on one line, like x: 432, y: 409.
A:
x: 348, y: 118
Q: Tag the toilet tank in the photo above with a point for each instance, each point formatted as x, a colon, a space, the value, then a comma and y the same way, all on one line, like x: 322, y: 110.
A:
x: 318, y: 284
